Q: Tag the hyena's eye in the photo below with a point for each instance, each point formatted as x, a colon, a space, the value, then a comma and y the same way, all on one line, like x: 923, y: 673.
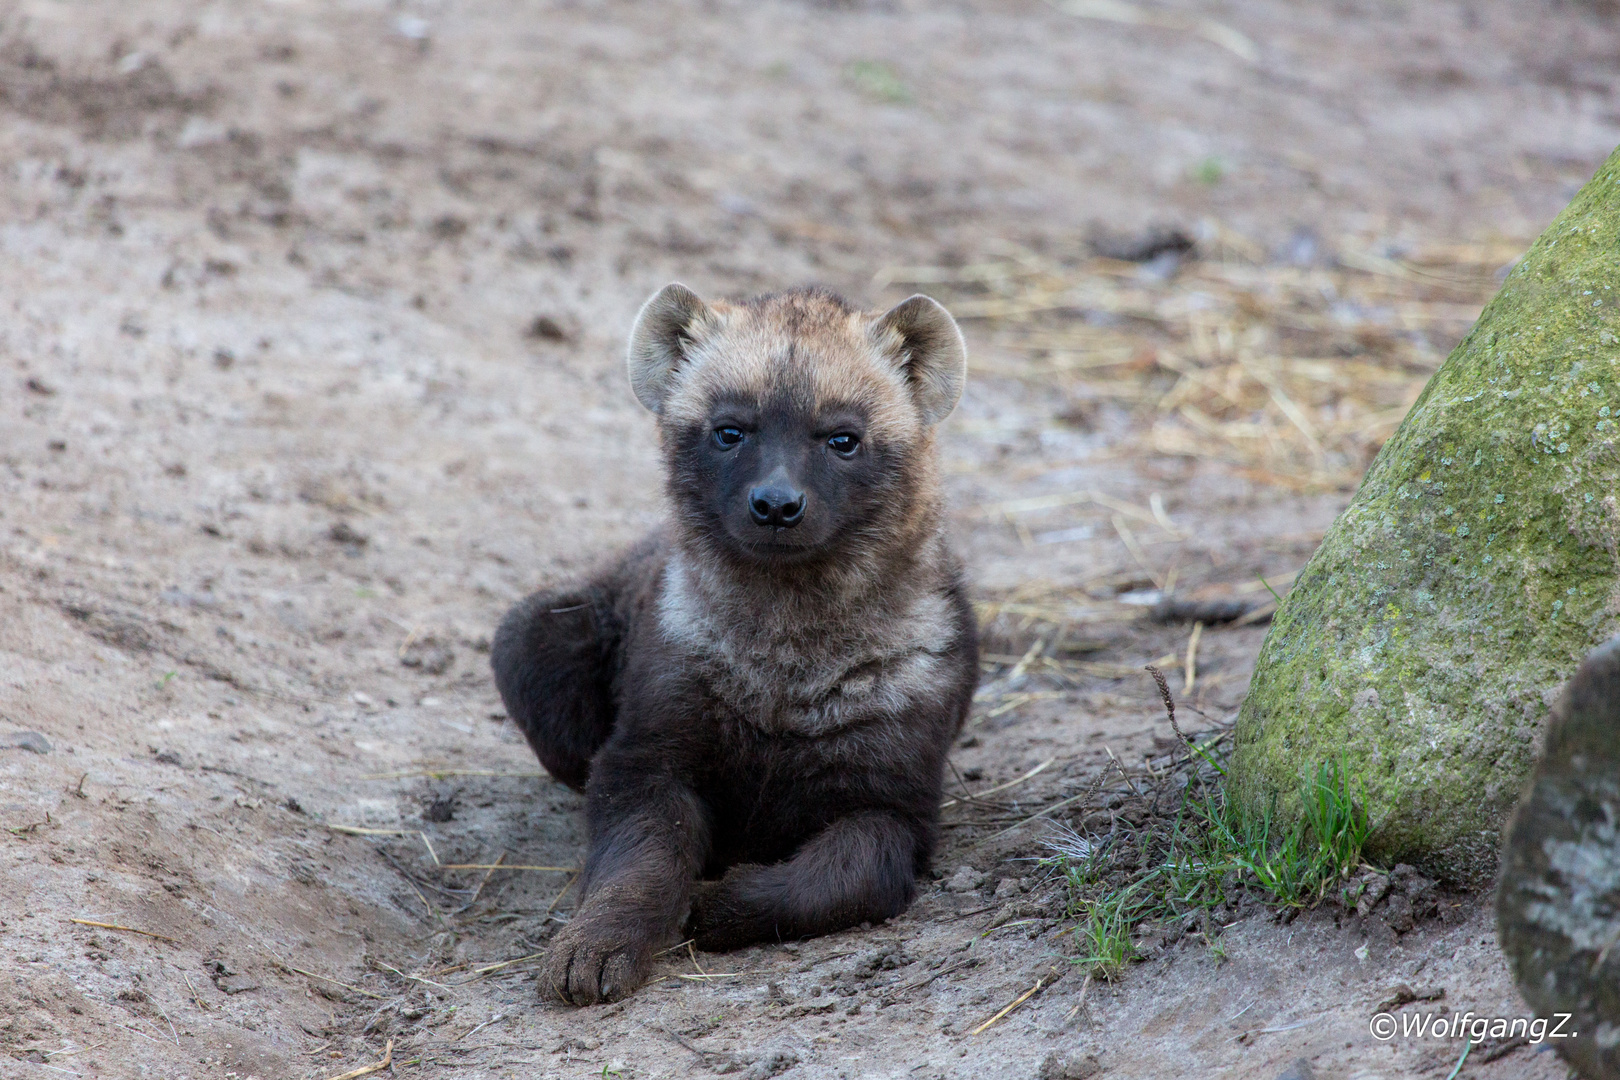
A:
x: 727, y: 437
x: 844, y: 443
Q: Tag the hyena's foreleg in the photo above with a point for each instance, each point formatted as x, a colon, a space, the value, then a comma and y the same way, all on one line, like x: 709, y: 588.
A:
x: 861, y: 868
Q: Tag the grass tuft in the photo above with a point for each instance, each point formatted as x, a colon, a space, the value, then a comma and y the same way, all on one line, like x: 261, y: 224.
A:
x: 1105, y: 935
x: 1212, y: 859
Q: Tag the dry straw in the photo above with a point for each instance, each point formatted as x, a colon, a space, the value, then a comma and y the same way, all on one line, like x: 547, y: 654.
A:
x: 1290, y: 375
x: 375, y: 1067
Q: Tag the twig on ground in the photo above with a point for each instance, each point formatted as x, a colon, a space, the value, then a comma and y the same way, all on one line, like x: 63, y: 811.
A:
x: 195, y: 997
x: 375, y: 1067
x: 698, y: 1050
x: 918, y: 984
x: 473, y: 1031
x: 410, y: 978
x: 1017, y: 1001
x: 1024, y: 661
x: 126, y: 929
x: 1082, y: 798
x: 1191, y: 667
x: 283, y: 965
x: 1245, y: 1036
x: 66, y: 1053
x: 972, y: 796
x: 561, y: 893
x: 1134, y: 546
x: 1264, y: 611
x: 490, y: 969
x: 490, y: 869
x: 1081, y: 1003
x: 412, y: 882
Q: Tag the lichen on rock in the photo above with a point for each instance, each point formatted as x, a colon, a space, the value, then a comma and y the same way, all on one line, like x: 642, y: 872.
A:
x: 1478, y: 562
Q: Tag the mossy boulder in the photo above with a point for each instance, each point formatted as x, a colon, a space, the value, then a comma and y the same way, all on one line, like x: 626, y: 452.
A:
x: 1478, y: 563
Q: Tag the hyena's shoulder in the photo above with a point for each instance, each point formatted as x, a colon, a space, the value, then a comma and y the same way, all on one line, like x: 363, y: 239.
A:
x: 632, y: 581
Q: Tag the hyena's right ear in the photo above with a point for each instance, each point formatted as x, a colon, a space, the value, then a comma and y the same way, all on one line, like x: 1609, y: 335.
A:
x: 665, y: 326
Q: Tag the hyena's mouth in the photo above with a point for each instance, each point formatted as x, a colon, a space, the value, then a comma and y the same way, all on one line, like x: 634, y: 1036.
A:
x: 791, y: 547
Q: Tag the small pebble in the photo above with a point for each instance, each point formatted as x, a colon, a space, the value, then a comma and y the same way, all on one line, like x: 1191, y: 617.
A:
x: 1299, y: 1070
x: 1069, y: 1066
x: 26, y: 740
x: 1007, y: 888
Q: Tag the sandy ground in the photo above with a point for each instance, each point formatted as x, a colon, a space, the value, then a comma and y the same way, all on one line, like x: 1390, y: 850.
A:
x: 309, y: 366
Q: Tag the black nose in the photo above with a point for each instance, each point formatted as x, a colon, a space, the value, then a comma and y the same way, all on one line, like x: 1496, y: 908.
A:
x: 776, y: 505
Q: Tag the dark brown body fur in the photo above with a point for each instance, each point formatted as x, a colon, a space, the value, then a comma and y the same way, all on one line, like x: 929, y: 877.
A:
x: 761, y: 739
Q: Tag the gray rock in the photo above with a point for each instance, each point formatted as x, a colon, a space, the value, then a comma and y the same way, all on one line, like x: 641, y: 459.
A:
x: 1561, y: 869
x: 771, y: 1063
x: 1418, y: 889
x: 236, y: 984
x: 429, y: 655
x: 1005, y: 915
x: 26, y: 740
x: 1007, y: 888
x: 1151, y: 243
x: 1299, y: 1070
x: 1398, y: 652
x: 1150, y: 945
x: 1398, y: 913
x: 344, y: 533
x: 227, y: 978
x: 1069, y: 1066
x: 966, y: 879
x: 1377, y: 885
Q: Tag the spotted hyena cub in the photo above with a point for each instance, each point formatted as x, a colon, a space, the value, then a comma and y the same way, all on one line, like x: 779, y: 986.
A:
x: 757, y: 700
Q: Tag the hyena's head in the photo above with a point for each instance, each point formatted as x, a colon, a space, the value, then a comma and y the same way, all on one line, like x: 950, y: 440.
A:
x: 797, y: 429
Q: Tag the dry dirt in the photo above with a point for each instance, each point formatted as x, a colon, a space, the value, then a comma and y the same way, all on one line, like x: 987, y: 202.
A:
x: 309, y: 366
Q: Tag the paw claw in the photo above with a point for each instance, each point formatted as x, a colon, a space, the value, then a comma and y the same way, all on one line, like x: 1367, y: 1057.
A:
x: 590, y: 964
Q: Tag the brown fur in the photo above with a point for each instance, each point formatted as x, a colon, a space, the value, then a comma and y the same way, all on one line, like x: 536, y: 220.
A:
x: 759, y: 716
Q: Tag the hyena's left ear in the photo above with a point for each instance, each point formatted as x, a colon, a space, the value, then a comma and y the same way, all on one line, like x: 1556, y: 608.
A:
x: 921, y: 337
x: 665, y: 326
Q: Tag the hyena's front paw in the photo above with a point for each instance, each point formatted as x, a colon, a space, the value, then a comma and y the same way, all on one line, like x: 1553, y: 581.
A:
x: 595, y: 959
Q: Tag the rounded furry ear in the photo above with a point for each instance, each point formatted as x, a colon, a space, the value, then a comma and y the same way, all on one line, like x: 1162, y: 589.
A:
x: 920, y: 336
x: 666, y: 324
